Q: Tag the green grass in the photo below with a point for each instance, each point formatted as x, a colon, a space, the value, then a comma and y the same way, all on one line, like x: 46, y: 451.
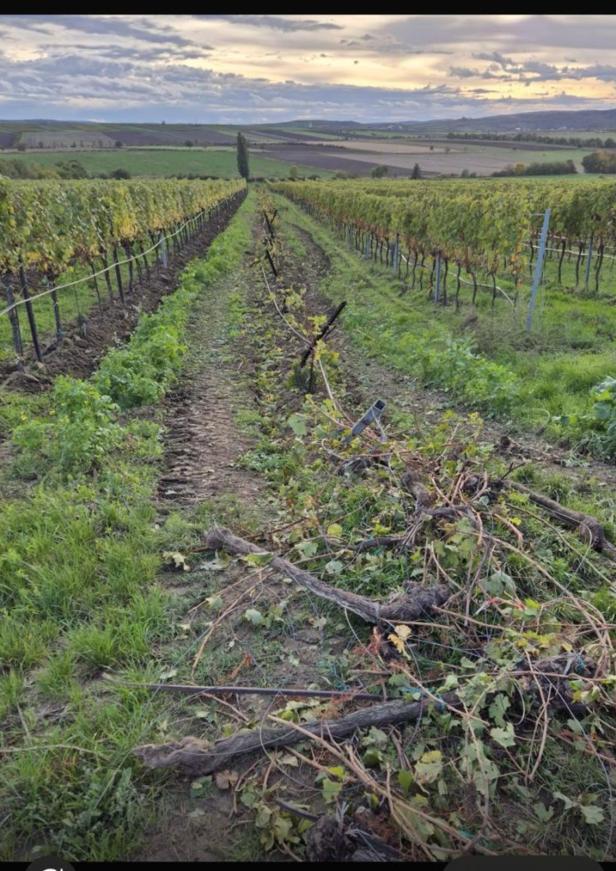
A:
x: 520, y: 154
x: 220, y: 163
x: 79, y: 593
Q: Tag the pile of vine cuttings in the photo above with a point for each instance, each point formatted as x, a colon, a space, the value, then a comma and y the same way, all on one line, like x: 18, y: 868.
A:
x: 473, y: 707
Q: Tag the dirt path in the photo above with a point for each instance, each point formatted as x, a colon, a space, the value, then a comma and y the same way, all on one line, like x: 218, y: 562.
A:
x: 203, y: 442
x: 203, y: 446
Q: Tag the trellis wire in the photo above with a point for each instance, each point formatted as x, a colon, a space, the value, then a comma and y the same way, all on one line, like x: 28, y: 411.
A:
x: 469, y: 283
x: 113, y: 265
x: 177, y: 238
x: 571, y: 251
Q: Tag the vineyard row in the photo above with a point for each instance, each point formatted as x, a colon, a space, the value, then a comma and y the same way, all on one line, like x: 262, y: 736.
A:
x: 481, y: 227
x: 47, y: 228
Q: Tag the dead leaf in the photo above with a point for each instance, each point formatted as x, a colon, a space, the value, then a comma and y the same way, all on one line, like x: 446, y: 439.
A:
x: 225, y: 779
x: 289, y: 759
x: 178, y: 559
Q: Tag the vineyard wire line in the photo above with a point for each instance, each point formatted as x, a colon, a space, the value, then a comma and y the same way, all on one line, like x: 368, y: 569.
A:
x: 304, y: 339
x: 49, y: 290
x: 577, y: 253
x: 470, y: 283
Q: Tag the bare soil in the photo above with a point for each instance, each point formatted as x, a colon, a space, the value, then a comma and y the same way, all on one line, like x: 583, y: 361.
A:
x: 203, y: 442
x: 361, y: 157
x: 328, y: 158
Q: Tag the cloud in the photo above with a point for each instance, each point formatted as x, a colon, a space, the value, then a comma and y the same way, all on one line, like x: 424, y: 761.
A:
x: 28, y: 22
x: 561, y: 31
x: 135, y: 53
x: 128, y: 90
x: 531, y: 71
x: 141, y: 29
x: 137, y: 67
x: 275, y: 23
x: 496, y: 57
x: 464, y: 72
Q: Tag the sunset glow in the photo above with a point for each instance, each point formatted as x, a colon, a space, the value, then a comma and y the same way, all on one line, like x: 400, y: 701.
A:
x: 224, y: 68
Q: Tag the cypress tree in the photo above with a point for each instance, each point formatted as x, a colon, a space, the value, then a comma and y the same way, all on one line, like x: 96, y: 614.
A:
x: 242, y: 156
x: 416, y: 171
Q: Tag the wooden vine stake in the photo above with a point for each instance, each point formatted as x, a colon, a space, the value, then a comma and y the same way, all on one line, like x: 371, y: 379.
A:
x: 271, y: 262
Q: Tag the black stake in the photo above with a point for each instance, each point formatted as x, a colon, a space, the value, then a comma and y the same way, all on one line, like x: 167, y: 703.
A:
x: 107, y: 277
x: 30, y: 311
x: 56, y: 308
x: 269, y: 224
x: 323, y: 332
x: 14, y: 319
x: 117, y: 272
x: 94, y: 279
x: 271, y: 263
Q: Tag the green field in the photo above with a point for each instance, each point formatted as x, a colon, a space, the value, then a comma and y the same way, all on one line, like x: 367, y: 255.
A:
x: 160, y: 162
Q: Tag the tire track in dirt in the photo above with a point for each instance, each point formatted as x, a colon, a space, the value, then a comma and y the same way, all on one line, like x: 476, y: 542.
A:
x: 203, y: 440
x: 203, y: 444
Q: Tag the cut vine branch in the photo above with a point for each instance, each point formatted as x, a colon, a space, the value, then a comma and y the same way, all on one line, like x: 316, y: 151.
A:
x: 587, y: 525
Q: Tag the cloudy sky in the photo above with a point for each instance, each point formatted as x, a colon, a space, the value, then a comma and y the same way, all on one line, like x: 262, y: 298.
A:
x: 260, y: 68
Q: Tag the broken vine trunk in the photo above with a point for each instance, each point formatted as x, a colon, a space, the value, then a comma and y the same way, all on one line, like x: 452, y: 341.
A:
x: 416, y: 601
x: 197, y: 757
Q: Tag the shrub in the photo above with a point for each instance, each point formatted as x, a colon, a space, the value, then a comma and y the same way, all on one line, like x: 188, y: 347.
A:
x: 603, y: 414
x: 600, y: 161
x: 79, y: 431
x: 379, y: 171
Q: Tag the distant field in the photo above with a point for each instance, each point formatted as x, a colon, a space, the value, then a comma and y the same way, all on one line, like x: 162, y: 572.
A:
x: 581, y: 134
x: 401, y: 156
x: 332, y: 159
x: 160, y: 162
x: 322, y: 157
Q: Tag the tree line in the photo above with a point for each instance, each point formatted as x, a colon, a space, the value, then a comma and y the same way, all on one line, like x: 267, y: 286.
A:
x: 20, y: 169
x: 556, y: 167
x: 576, y: 141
